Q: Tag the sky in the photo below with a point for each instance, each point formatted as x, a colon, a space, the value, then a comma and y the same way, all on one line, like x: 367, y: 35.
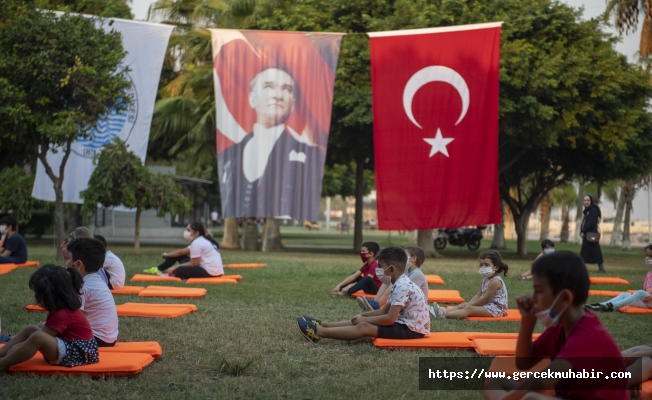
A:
x: 592, y: 8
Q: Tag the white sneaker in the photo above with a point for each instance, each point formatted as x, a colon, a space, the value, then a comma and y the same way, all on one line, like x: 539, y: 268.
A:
x: 364, y: 303
x: 436, y: 311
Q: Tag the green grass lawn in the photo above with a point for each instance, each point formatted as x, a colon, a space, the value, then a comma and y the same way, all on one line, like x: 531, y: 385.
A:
x: 253, y: 323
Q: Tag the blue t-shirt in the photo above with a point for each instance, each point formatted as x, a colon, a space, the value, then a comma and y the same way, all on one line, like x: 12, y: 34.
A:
x: 16, y: 244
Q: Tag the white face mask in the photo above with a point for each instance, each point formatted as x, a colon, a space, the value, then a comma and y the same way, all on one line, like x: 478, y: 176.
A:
x: 387, y: 280
x: 545, y: 318
x: 3, y: 229
x: 486, y: 272
x: 186, y: 235
x: 408, y: 264
x: 548, y: 251
x: 648, y: 262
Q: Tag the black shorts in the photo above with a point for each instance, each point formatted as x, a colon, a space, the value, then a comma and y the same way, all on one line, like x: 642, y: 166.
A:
x: 398, y: 331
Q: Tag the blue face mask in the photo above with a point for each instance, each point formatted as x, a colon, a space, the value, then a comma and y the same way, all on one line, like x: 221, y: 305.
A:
x: 548, y: 251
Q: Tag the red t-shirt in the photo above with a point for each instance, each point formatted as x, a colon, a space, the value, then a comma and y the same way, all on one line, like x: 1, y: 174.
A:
x: 70, y: 324
x: 370, y: 269
x: 589, y: 348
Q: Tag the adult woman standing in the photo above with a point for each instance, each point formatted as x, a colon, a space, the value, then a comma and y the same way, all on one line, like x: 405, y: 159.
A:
x: 201, y: 259
x: 591, y: 251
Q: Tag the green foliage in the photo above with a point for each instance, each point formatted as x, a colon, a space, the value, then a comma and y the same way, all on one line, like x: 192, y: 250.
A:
x: 102, y: 8
x: 16, y: 193
x: 339, y: 179
x: 120, y: 179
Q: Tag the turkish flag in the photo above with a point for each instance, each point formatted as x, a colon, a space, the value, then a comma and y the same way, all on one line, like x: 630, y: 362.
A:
x: 435, y: 109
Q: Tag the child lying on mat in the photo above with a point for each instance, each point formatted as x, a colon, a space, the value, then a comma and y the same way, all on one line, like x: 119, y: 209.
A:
x: 640, y: 298
x: 404, y: 316
x: 574, y: 338
x: 491, y: 299
x: 67, y: 338
x: 416, y: 257
x: 87, y: 257
x: 364, y: 279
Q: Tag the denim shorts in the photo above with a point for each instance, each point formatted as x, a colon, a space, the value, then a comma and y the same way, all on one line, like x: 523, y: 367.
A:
x: 398, y: 331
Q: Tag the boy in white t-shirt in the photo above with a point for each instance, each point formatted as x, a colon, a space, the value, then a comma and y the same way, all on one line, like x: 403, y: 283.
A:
x: 87, y: 257
x: 113, y: 268
x: 404, y: 316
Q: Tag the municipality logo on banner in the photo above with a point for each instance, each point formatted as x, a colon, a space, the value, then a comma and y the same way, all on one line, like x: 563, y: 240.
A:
x: 146, y: 44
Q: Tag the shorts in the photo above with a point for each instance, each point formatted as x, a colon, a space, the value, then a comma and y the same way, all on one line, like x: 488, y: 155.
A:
x: 75, y: 352
x: 398, y: 331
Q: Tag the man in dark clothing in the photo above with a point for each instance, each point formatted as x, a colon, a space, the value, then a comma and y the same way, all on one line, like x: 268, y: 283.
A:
x: 14, y: 248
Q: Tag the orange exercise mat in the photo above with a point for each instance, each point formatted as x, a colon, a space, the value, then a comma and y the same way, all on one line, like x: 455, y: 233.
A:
x: 252, y: 265
x: 607, y: 280
x: 361, y: 293
x: 154, y: 278
x: 435, y: 340
x: 146, y: 310
x: 214, y: 280
x: 512, y: 315
x: 635, y: 310
x: 152, y: 348
x: 444, y: 296
x: 7, y: 268
x: 175, y: 292
x: 128, y: 290
x: 29, y: 264
x: 434, y: 280
x: 495, y: 335
x: 609, y: 293
x: 111, y: 364
x: 646, y: 390
x: 495, y: 347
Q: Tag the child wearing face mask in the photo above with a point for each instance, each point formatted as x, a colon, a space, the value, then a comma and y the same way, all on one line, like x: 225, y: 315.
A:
x: 201, y: 259
x: 13, y: 249
x: 574, y: 338
x: 365, y: 278
x: 640, y: 298
x: 491, y: 299
x: 547, y: 247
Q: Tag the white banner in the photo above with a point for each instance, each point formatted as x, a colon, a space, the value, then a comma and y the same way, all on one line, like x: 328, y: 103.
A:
x: 146, y: 44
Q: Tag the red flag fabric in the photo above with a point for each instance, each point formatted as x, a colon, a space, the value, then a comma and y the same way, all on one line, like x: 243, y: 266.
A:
x: 435, y: 109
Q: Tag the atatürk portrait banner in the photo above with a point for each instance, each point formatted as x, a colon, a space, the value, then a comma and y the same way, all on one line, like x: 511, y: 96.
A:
x: 273, y: 96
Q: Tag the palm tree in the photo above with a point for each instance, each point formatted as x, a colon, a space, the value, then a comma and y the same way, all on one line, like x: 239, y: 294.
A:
x: 627, y: 14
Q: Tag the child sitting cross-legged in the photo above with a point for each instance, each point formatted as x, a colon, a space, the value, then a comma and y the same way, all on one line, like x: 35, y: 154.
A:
x: 404, y: 316
x: 574, y: 339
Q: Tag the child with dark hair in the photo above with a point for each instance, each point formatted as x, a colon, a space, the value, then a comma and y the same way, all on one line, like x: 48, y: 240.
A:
x: 13, y: 249
x: 87, y: 257
x: 201, y: 259
x: 574, y: 339
x: 67, y: 338
x: 547, y: 247
x: 365, y: 278
x: 113, y: 268
x: 491, y: 299
x: 640, y: 298
x: 404, y: 316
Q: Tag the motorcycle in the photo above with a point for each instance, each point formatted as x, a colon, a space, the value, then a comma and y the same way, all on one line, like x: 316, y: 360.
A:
x: 469, y: 237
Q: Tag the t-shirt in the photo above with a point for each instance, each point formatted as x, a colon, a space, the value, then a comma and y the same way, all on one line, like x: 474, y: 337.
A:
x: 589, y: 347
x: 99, y: 308
x: 116, y: 269
x: 370, y: 269
x: 209, y: 255
x: 71, y: 324
x: 647, y: 283
x: 16, y: 244
x: 419, y: 279
x: 414, y: 306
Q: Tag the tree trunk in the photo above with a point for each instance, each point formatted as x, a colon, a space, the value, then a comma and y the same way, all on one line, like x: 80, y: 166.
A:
x: 272, y: 235
x: 427, y: 243
x: 521, y: 222
x: 579, y: 215
x: 544, y: 226
x: 230, y: 236
x: 75, y: 219
x: 58, y: 216
x: 137, y: 232
x: 359, y: 192
x: 249, y: 234
x: 618, y: 220
x: 565, y: 222
x: 498, y: 242
x: 630, y: 192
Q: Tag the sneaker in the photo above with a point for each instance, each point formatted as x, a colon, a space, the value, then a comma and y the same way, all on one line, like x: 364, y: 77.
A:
x: 520, y: 277
x: 606, y: 307
x: 336, y: 294
x: 152, y: 271
x: 364, y: 303
x: 308, y: 330
x: 311, y: 319
x: 437, y: 312
x: 594, y: 306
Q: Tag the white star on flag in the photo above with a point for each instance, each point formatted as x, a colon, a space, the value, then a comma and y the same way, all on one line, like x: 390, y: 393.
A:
x: 438, y: 144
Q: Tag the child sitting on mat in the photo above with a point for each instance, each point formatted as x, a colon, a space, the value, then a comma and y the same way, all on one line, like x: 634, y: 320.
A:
x: 547, y: 247
x: 67, y: 338
x: 113, y: 268
x: 416, y: 257
x: 638, y: 360
x: 87, y: 257
x: 491, y: 299
x: 574, y: 339
x: 83, y: 232
x: 640, y: 298
x: 404, y: 316
x: 369, y: 283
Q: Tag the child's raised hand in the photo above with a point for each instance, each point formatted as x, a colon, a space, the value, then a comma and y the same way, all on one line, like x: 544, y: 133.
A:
x: 526, y: 306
